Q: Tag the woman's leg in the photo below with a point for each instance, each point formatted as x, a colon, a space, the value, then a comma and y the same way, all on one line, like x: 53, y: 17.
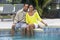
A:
x: 28, y: 31
x: 31, y: 27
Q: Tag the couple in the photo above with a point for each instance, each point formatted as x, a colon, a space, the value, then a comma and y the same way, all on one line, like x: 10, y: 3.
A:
x: 26, y: 19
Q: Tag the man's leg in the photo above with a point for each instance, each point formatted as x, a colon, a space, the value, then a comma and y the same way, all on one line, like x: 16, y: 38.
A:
x: 23, y: 31
x: 13, y: 30
x: 28, y: 31
x: 24, y: 28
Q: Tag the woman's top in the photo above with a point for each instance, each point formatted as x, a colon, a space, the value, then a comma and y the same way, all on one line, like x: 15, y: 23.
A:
x: 33, y: 19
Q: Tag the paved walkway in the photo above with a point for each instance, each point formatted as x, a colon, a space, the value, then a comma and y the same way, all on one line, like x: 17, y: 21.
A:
x: 6, y: 24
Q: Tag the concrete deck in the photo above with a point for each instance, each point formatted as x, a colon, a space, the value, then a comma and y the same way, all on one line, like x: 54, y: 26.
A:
x: 6, y: 24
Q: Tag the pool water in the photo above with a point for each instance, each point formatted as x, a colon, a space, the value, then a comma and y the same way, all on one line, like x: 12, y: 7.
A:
x: 48, y: 34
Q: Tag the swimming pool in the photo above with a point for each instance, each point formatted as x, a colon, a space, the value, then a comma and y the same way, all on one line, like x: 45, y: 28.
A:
x: 48, y: 34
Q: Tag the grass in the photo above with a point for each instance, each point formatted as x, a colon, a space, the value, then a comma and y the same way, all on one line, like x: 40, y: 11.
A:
x: 1, y: 4
x: 5, y: 17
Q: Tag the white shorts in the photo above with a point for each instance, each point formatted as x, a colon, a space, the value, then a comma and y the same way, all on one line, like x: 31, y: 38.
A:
x: 36, y: 25
x: 39, y: 24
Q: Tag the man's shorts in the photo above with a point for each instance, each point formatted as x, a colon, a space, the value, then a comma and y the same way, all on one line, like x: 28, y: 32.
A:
x: 20, y: 25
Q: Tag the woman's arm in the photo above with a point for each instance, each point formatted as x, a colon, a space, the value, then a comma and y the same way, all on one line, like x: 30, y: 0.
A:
x: 40, y: 19
x: 44, y: 23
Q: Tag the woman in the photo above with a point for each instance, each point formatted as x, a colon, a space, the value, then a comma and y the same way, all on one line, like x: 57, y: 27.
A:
x: 32, y: 18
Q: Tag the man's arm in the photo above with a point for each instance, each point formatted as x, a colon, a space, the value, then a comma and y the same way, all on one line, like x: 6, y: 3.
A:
x: 18, y: 16
x: 16, y: 19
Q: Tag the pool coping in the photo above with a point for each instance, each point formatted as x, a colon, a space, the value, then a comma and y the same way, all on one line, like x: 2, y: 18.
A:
x: 52, y: 23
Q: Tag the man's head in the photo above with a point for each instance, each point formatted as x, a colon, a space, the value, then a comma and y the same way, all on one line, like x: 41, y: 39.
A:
x: 25, y: 8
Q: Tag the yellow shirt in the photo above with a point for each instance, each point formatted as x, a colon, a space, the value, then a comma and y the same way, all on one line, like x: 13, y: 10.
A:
x: 33, y: 19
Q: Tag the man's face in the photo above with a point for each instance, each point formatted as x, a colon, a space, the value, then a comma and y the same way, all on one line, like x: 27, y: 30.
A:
x: 25, y: 7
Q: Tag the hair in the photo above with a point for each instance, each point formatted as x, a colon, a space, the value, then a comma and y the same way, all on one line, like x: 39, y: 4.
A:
x: 25, y: 4
x: 32, y: 5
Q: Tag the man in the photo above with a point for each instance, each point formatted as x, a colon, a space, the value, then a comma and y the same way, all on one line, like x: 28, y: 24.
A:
x: 19, y: 21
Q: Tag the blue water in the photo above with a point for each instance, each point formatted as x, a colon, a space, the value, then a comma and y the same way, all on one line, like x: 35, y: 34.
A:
x: 48, y: 34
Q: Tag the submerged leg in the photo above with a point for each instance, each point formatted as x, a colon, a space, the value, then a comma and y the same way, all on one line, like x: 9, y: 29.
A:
x: 24, y: 31
x: 31, y: 29
x: 28, y: 31
x: 13, y: 30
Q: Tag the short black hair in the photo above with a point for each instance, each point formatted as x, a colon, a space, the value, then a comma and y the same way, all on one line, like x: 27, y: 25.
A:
x: 25, y: 3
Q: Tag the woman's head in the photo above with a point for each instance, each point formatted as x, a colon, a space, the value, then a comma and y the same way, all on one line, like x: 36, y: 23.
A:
x: 31, y: 7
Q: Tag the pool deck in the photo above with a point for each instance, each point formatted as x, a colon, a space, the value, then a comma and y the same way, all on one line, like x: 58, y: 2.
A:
x: 51, y: 23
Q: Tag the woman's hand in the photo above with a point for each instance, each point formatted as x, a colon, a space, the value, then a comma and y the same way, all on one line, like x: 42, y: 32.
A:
x: 46, y: 24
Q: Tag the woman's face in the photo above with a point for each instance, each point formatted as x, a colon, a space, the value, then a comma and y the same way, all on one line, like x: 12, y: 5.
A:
x: 31, y: 8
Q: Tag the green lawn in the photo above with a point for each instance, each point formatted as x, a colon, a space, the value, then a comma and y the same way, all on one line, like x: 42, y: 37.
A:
x: 5, y: 17
x: 1, y: 4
